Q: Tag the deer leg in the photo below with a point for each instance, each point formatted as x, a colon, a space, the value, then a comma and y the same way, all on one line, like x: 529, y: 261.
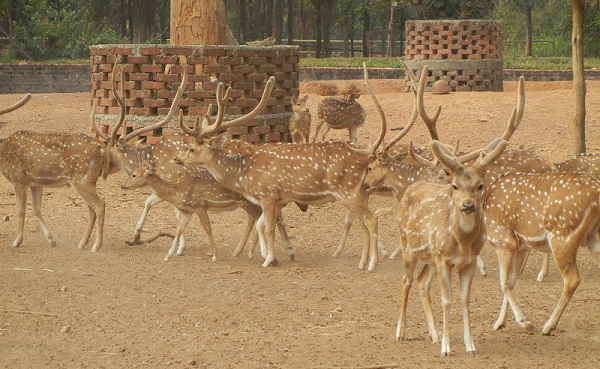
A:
x: 325, y: 131
x: 424, y: 279
x: 36, y: 202
x: 250, y: 220
x: 287, y: 245
x: 96, y: 209
x: 465, y: 276
x: 445, y: 278
x: 318, y: 129
x: 348, y: 220
x: 509, y: 272
x: 481, y: 266
x: 407, y: 280
x: 21, y: 197
x: 183, y: 219
x: 353, y: 133
x: 544, y: 269
x: 565, y: 253
x: 205, y: 221
x: 150, y: 202
x: 270, y: 218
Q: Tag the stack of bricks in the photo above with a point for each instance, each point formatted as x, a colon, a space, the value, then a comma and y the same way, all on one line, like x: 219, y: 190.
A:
x: 465, y: 53
x: 152, y: 77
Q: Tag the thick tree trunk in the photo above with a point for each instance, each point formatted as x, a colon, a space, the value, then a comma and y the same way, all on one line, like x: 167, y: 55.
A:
x: 277, y: 20
x: 578, y: 76
x: 200, y: 22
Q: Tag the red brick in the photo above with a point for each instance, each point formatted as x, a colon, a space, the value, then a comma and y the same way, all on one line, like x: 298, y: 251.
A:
x: 139, y: 76
x: 230, y: 60
x: 152, y: 68
x: 167, y: 77
x: 123, y: 50
x: 143, y: 94
x: 262, y: 130
x: 150, y: 50
x: 137, y: 59
x: 272, y: 137
x: 155, y: 103
x: 178, y: 50
x: 240, y: 130
x: 216, y: 69
x: 256, y: 60
x: 153, y: 85
x: 133, y: 102
x: 165, y: 59
x: 214, y: 51
x: 142, y: 111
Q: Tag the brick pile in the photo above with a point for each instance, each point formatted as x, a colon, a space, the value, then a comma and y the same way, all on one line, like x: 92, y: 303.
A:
x: 152, y: 75
x: 465, y: 53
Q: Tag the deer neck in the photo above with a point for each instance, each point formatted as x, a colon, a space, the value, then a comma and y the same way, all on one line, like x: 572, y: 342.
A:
x: 127, y: 157
x: 227, y: 168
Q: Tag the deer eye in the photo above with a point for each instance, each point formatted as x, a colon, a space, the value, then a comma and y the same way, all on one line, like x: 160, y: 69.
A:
x: 192, y: 150
x: 454, y: 187
x: 480, y: 187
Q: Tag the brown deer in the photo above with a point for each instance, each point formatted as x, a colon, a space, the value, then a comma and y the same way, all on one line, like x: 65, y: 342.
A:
x: 32, y: 161
x: 194, y: 191
x: 313, y: 173
x: 442, y: 226
x: 340, y: 113
x: 551, y: 212
x: 518, y: 160
x: 585, y: 163
x: 188, y: 189
x: 300, y: 120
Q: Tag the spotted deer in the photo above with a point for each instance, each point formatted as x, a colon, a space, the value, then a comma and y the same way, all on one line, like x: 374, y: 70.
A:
x: 309, y: 173
x: 511, y: 160
x: 342, y: 112
x: 192, y: 190
x: 33, y: 160
x: 554, y: 213
x: 300, y: 121
x: 441, y: 225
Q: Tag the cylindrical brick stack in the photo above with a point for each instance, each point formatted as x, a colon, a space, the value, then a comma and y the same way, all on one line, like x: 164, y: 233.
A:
x: 465, y: 53
x: 152, y: 75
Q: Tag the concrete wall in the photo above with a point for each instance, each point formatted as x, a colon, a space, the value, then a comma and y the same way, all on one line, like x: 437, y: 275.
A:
x: 33, y: 78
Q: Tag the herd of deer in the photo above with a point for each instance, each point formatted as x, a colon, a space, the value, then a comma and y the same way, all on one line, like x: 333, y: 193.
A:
x: 450, y: 203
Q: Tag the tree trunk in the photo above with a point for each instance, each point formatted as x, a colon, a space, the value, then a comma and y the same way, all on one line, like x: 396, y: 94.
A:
x: 142, y: 13
x: 277, y: 31
x: 317, y: 4
x: 366, y: 27
x: 290, y: 22
x: 578, y: 76
x: 345, y: 29
x: 326, y: 24
x: 200, y: 22
x: 528, y: 31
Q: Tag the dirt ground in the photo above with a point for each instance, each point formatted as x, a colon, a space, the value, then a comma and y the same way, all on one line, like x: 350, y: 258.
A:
x: 123, y: 307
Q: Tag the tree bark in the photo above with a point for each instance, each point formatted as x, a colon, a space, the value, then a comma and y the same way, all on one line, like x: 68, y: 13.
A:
x: 142, y: 13
x: 277, y: 20
x: 200, y: 22
x: 578, y: 76
x: 528, y: 31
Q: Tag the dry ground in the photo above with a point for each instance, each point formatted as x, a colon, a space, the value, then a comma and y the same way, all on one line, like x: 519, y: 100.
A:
x: 123, y: 307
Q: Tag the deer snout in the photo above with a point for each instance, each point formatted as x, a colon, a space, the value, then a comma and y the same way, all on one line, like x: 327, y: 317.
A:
x: 468, y: 207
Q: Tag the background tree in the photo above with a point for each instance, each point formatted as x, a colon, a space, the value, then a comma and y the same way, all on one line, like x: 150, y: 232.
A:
x: 578, y: 76
x: 200, y: 22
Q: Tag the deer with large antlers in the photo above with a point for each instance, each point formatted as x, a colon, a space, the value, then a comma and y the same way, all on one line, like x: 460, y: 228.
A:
x: 309, y: 173
x: 32, y: 161
x: 190, y: 190
x: 389, y: 172
x: 441, y: 225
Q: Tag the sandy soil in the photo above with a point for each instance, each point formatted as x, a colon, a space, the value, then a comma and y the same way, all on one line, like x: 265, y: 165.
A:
x: 123, y: 307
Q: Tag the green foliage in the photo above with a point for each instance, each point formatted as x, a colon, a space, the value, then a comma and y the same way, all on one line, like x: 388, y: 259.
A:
x: 452, y: 9
x: 55, y: 30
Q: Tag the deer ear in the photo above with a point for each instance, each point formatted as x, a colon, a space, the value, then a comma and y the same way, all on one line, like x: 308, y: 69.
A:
x: 438, y: 175
x: 304, y: 98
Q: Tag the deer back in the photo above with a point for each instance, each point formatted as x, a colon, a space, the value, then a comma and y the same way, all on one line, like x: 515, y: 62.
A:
x: 535, y: 206
x: 586, y: 163
x: 52, y: 159
x: 341, y: 112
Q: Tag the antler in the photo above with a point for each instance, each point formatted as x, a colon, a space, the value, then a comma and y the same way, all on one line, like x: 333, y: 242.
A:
x: 413, y: 116
x: 379, y: 109
x: 429, y: 122
x: 517, y: 113
x: 207, y: 130
x: 114, y: 136
x: 16, y: 105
